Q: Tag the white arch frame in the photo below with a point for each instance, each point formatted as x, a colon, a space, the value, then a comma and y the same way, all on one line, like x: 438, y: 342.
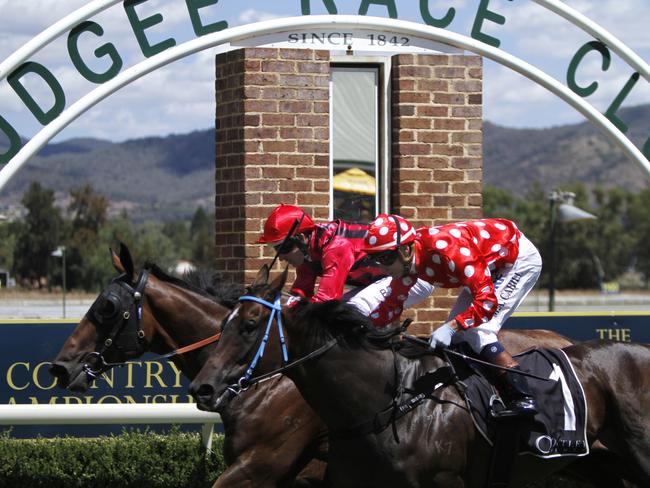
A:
x: 276, y: 26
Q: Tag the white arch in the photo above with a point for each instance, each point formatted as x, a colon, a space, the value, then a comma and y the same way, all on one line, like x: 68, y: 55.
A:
x: 320, y: 22
x: 52, y: 32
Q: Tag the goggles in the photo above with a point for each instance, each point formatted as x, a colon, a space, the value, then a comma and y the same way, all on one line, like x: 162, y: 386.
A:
x: 385, y: 258
x: 286, y: 246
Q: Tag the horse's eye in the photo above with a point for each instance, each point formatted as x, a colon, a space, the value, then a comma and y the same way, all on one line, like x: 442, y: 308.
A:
x: 250, y: 325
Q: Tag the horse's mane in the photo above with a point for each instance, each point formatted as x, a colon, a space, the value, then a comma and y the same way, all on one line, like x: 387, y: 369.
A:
x: 203, y: 282
x: 327, y: 320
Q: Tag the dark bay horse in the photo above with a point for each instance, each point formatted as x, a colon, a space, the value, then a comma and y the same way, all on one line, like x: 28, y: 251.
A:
x: 348, y: 381
x: 272, y: 437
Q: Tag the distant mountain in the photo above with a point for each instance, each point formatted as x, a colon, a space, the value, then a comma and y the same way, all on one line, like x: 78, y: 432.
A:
x: 155, y: 177
x: 515, y: 158
x: 169, y: 177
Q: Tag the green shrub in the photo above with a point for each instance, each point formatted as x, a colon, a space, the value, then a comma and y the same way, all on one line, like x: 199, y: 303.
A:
x: 133, y: 459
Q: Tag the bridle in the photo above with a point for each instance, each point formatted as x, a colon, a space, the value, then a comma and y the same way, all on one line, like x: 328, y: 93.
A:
x: 126, y: 333
x: 247, y: 380
x: 124, y: 318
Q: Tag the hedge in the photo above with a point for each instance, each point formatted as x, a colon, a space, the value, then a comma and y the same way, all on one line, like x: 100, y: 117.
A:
x: 132, y: 459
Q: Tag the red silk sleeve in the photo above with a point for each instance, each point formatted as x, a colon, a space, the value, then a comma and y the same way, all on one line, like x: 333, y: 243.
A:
x: 337, y: 260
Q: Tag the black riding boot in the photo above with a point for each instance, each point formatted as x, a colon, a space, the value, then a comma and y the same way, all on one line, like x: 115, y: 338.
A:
x: 516, y: 394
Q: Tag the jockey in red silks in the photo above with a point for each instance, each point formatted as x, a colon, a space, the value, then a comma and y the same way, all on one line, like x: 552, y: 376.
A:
x: 331, y: 251
x: 490, y: 259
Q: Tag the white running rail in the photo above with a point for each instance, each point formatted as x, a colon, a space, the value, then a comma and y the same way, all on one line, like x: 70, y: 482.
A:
x: 129, y: 413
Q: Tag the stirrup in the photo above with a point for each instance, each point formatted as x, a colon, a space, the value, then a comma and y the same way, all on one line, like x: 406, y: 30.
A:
x: 521, y: 407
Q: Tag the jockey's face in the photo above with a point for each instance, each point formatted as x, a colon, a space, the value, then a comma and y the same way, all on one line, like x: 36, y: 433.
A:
x: 399, y: 266
x: 290, y: 250
x: 295, y: 257
x: 395, y: 270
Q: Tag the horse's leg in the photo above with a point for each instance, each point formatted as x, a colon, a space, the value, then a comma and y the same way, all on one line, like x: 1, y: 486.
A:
x: 272, y: 437
x: 262, y: 468
x: 238, y: 474
x: 601, y: 468
x: 448, y: 479
x: 312, y: 475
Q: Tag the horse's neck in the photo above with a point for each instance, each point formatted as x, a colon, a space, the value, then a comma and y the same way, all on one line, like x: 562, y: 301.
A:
x: 346, y: 387
x: 184, y: 318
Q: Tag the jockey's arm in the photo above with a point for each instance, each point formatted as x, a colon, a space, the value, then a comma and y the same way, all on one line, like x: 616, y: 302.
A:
x: 305, y: 281
x: 484, y: 302
x: 337, y: 260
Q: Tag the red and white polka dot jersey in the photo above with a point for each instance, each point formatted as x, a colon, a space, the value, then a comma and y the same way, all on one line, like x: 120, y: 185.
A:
x: 463, y: 254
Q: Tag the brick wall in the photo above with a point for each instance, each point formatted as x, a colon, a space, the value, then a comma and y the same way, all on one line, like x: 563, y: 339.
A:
x: 437, y: 150
x: 272, y: 146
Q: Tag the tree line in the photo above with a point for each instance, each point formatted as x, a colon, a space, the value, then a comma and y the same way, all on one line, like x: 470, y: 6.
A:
x: 588, y: 253
x: 611, y: 248
x: 86, y: 232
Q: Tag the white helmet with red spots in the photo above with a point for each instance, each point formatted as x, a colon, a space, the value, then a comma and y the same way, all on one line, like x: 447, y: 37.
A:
x: 388, y: 232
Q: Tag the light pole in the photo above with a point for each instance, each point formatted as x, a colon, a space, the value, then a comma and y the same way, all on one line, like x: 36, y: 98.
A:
x: 59, y: 252
x: 561, y: 210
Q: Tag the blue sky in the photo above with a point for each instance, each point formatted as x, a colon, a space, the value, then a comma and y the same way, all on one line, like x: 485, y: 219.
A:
x: 180, y: 97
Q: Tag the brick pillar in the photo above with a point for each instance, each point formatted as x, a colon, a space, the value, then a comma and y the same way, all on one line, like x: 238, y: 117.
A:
x: 437, y: 150
x: 272, y: 146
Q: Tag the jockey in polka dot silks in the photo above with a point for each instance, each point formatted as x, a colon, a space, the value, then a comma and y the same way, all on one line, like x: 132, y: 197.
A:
x: 490, y: 259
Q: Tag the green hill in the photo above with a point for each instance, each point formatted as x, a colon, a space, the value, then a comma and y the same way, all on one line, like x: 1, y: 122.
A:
x: 169, y: 177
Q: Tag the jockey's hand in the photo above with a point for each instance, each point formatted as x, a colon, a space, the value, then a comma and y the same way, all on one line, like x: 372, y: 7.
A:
x: 441, y: 337
x: 293, y: 300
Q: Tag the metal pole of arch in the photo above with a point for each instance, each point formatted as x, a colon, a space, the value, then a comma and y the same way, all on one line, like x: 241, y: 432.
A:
x: 239, y: 33
x: 59, y: 252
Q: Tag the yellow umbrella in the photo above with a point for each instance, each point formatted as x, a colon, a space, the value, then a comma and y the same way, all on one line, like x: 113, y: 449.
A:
x: 355, y: 180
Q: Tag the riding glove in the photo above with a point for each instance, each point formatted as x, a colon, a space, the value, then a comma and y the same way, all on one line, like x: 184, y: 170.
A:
x: 441, y: 337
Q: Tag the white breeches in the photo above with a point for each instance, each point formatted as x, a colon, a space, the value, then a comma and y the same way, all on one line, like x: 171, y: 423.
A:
x: 511, y: 286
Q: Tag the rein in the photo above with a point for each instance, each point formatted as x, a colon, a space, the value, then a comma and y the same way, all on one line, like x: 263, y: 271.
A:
x: 190, y: 347
x: 246, y: 381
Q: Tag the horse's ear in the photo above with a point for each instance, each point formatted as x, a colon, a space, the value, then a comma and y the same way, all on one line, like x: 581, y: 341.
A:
x: 126, y: 260
x: 278, y: 283
x: 117, y: 264
x: 262, y: 277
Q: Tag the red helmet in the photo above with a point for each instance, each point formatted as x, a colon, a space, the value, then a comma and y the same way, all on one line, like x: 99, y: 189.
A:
x: 384, y: 235
x: 279, y: 223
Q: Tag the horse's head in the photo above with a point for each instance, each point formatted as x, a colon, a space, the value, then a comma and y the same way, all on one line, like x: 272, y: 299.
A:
x: 112, y: 330
x: 241, y: 348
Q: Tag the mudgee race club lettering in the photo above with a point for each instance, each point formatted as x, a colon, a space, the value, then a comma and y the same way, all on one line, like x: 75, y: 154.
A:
x: 37, y: 385
x: 205, y: 19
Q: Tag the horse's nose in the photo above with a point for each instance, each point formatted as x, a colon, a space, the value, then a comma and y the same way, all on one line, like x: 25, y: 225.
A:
x: 202, y: 393
x: 60, y: 372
